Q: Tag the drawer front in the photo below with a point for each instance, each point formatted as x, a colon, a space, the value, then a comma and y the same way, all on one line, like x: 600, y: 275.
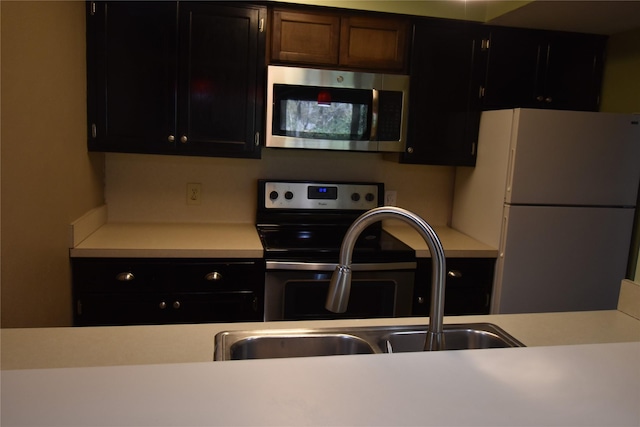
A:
x: 218, y: 276
x: 101, y: 309
x: 136, y: 275
x: 119, y: 275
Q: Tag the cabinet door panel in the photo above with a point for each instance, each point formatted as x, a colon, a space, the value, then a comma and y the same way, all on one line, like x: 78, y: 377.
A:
x: 574, y: 72
x: 446, y: 75
x: 305, y: 38
x: 544, y: 69
x: 512, y: 69
x: 131, y: 76
x: 468, y: 287
x: 373, y: 43
x: 219, y: 84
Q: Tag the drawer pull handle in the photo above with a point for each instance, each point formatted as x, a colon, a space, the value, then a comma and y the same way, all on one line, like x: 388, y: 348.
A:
x: 456, y: 274
x: 214, y: 276
x: 125, y: 277
x: 176, y: 304
x: 162, y: 305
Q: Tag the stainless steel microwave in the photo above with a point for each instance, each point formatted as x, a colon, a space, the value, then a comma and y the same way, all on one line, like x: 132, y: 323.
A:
x: 336, y: 110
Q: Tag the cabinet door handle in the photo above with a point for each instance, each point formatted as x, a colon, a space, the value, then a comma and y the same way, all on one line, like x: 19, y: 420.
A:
x: 176, y: 304
x: 214, y: 276
x: 125, y: 277
x: 548, y: 99
x: 456, y: 274
x: 162, y: 305
x: 540, y: 98
x: 171, y: 138
x: 183, y: 139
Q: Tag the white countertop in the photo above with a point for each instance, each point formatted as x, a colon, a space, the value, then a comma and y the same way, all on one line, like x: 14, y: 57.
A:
x: 580, y: 368
x: 171, y: 240
x: 128, y: 345
x: 197, y: 240
x: 592, y: 385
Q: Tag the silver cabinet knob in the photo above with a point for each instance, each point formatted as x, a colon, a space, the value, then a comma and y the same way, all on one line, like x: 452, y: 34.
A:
x: 176, y: 304
x: 456, y: 274
x: 125, y: 276
x: 409, y: 150
x: 548, y: 99
x: 171, y: 138
x: 183, y: 139
x: 420, y: 300
x: 540, y: 98
x: 162, y: 305
x: 214, y: 276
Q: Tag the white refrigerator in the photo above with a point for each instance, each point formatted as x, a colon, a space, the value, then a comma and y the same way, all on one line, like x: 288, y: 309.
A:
x: 555, y: 192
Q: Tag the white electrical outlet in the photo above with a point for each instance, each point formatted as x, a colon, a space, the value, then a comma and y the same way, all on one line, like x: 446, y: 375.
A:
x: 194, y: 193
x: 390, y: 198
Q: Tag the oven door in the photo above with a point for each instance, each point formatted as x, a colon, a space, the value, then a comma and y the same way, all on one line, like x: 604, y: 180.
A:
x: 377, y: 290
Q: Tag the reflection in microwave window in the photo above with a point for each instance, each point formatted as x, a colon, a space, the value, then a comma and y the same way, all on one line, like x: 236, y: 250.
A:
x: 334, y: 120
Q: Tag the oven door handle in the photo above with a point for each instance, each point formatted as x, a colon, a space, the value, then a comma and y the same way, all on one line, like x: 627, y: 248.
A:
x: 327, y: 266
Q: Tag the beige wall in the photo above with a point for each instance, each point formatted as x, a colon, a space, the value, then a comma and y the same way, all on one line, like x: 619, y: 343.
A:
x: 621, y: 94
x: 154, y: 188
x: 48, y: 179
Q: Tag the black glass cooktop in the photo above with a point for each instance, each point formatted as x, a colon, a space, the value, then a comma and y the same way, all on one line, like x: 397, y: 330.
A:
x: 323, y: 244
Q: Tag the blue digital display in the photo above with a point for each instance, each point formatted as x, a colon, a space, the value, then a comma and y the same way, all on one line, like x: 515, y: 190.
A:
x: 323, y: 193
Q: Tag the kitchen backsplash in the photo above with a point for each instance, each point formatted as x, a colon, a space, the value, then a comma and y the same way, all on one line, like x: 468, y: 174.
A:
x: 152, y: 188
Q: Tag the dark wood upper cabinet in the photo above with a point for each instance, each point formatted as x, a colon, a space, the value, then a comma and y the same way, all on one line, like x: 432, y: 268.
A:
x: 305, y: 38
x: 323, y: 38
x: 458, y: 69
x: 447, y: 72
x: 175, y: 78
x: 377, y: 43
x: 544, y: 69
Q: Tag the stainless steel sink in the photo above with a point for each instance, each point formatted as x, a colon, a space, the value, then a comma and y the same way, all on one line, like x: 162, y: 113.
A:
x: 276, y: 343
x: 267, y: 346
x: 456, y: 337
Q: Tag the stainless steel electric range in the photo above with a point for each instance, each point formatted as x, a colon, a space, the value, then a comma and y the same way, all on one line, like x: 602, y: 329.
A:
x: 301, y: 225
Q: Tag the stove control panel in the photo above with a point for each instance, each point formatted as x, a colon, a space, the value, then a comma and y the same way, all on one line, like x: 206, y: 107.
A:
x: 321, y: 195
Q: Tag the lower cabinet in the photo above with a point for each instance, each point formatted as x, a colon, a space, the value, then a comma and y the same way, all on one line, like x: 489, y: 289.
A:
x: 469, y: 283
x: 121, y: 291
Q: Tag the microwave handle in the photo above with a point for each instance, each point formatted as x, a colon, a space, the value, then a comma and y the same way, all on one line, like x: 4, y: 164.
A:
x: 374, y: 114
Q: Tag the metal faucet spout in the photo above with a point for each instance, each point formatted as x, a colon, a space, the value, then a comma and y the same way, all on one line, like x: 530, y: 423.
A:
x: 340, y: 286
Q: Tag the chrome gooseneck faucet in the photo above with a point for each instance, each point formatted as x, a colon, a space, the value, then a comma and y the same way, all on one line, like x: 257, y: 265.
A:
x: 340, y: 286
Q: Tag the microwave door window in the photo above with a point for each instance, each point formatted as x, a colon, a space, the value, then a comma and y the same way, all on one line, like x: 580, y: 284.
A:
x: 322, y: 113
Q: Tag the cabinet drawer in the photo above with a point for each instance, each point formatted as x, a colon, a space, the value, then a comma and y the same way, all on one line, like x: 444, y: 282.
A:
x: 119, y: 275
x: 218, y: 276
x: 93, y: 309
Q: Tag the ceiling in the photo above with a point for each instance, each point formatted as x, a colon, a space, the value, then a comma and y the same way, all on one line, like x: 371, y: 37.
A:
x: 598, y: 17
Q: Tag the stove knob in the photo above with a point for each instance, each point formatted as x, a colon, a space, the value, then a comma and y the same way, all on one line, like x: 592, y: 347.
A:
x: 369, y: 197
x: 355, y: 197
x: 288, y: 195
x: 273, y: 195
